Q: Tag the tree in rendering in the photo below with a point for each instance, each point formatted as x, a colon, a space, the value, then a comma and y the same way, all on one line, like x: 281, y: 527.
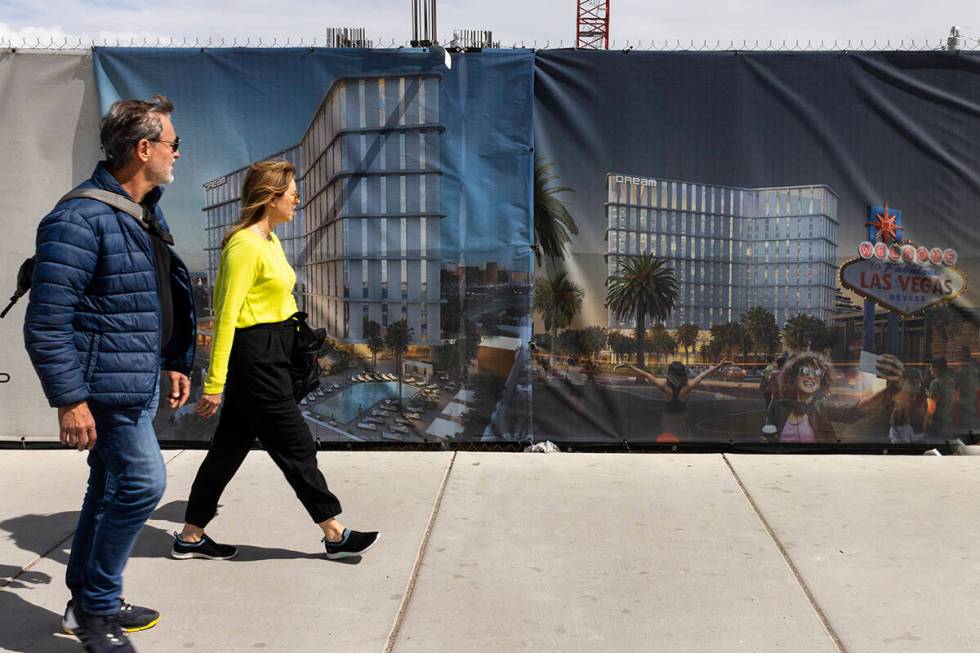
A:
x: 760, y: 325
x: 804, y: 332
x: 662, y: 343
x: 592, y: 341
x: 375, y: 341
x: 620, y: 345
x: 644, y: 288
x: 727, y: 337
x: 557, y: 299
x: 687, y: 337
x: 398, y: 337
x: 553, y: 224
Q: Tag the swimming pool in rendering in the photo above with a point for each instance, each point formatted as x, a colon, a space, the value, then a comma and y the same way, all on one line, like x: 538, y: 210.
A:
x: 345, y: 405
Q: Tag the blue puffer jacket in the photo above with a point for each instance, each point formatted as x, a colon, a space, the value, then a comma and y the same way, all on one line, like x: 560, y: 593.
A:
x: 93, y: 324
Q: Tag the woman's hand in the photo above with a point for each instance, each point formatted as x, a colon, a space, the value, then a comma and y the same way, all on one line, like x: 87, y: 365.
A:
x: 208, y: 405
x: 891, y: 369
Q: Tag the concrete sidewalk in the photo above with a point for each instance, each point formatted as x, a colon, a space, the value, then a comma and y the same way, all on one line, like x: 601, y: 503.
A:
x: 529, y: 552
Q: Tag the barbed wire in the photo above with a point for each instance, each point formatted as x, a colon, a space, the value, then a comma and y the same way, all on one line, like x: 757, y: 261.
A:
x: 667, y: 45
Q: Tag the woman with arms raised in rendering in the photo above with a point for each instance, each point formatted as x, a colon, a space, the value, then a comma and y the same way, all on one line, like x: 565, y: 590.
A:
x: 677, y: 388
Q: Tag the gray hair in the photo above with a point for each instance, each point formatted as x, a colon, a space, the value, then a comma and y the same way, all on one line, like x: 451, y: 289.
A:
x: 127, y: 122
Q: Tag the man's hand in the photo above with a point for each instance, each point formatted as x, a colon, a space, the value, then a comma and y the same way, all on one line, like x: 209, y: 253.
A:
x: 76, y: 426
x: 180, y: 389
x: 208, y: 405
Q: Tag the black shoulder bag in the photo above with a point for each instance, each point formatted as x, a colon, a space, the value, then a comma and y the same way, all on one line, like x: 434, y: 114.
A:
x: 304, y: 364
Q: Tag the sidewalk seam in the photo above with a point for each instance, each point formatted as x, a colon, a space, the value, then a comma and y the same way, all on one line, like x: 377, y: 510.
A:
x: 59, y: 544
x: 786, y: 558
x: 174, y: 457
x: 417, y: 565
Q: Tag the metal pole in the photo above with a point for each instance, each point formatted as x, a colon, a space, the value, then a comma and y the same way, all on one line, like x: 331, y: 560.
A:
x: 435, y: 38
x: 415, y: 20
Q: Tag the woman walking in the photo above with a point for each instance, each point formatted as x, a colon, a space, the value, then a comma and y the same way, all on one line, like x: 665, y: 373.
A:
x: 254, y: 331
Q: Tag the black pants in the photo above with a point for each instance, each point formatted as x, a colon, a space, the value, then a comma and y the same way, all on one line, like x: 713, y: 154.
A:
x: 258, y: 403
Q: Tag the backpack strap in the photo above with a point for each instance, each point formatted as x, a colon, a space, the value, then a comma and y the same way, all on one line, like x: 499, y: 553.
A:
x: 124, y: 204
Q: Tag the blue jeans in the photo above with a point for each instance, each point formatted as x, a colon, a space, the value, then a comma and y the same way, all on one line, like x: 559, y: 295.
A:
x: 126, y: 481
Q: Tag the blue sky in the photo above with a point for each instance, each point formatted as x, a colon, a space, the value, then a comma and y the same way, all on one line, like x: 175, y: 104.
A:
x: 549, y: 22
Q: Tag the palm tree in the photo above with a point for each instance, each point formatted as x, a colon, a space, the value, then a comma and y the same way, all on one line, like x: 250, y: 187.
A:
x: 375, y: 341
x: 687, y: 337
x: 553, y: 224
x: 558, y: 299
x: 398, y: 338
x: 644, y: 288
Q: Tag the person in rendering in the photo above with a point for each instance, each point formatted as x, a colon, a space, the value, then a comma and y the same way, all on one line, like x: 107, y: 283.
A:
x: 806, y: 409
x: 770, y: 380
x: 967, y: 384
x: 677, y: 388
x: 908, y: 416
x: 110, y: 306
x: 939, y: 417
x: 254, y: 330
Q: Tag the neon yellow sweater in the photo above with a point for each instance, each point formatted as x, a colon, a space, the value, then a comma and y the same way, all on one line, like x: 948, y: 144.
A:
x: 254, y: 286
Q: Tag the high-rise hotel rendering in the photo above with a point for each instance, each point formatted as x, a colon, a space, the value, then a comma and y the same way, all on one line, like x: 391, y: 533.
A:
x: 370, y: 194
x: 368, y: 228
x: 731, y: 248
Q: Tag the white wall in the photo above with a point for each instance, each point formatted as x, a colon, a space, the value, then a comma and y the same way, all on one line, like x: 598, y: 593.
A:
x: 49, y: 141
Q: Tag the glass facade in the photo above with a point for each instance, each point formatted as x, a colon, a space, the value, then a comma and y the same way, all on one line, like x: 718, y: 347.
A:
x: 370, y: 195
x: 222, y: 203
x: 731, y: 248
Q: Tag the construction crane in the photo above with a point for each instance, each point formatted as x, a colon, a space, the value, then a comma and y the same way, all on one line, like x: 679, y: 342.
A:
x: 592, y: 25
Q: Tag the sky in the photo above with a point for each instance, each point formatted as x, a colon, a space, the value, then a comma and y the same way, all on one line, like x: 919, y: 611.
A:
x: 544, y: 23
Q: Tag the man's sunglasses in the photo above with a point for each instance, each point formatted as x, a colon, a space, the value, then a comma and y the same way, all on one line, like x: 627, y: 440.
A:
x: 174, y: 144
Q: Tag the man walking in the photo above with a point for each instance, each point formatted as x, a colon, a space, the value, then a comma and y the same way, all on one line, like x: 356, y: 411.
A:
x: 110, y: 306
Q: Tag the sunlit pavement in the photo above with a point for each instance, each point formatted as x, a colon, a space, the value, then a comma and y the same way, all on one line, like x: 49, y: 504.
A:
x: 531, y: 552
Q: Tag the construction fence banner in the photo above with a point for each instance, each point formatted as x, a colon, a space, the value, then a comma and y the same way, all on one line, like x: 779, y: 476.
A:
x: 414, y: 173
x: 595, y: 248
x: 736, y: 241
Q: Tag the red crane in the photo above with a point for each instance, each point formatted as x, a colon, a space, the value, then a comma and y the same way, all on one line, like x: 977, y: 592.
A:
x: 592, y: 25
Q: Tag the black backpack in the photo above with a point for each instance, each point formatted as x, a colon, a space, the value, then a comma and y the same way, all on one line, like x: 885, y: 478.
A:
x: 26, y: 271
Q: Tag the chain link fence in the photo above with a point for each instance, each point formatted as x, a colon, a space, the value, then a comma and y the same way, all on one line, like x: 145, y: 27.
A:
x: 962, y: 43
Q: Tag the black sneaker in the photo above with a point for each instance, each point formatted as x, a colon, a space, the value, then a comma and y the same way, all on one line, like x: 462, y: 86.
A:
x: 353, y: 544
x: 206, y: 548
x: 100, y: 634
x: 132, y: 618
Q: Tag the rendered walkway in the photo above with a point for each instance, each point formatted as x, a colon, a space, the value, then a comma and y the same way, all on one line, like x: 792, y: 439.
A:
x: 531, y: 552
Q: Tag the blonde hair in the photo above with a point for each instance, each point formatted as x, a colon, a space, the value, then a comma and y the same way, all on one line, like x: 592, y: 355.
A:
x: 265, y: 182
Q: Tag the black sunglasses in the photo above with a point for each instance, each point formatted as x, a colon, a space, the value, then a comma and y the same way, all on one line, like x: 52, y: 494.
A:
x: 174, y: 144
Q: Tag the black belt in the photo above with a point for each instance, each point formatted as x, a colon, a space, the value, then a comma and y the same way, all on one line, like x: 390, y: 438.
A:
x: 288, y: 323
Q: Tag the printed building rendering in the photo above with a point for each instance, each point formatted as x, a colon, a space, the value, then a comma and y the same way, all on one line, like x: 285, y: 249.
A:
x: 366, y: 239
x: 731, y: 248
x: 370, y: 193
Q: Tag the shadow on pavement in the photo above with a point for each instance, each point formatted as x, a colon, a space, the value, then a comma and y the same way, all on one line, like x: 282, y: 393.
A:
x: 36, y: 629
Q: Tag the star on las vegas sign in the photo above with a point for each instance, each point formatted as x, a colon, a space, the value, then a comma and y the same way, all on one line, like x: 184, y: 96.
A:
x: 886, y: 224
